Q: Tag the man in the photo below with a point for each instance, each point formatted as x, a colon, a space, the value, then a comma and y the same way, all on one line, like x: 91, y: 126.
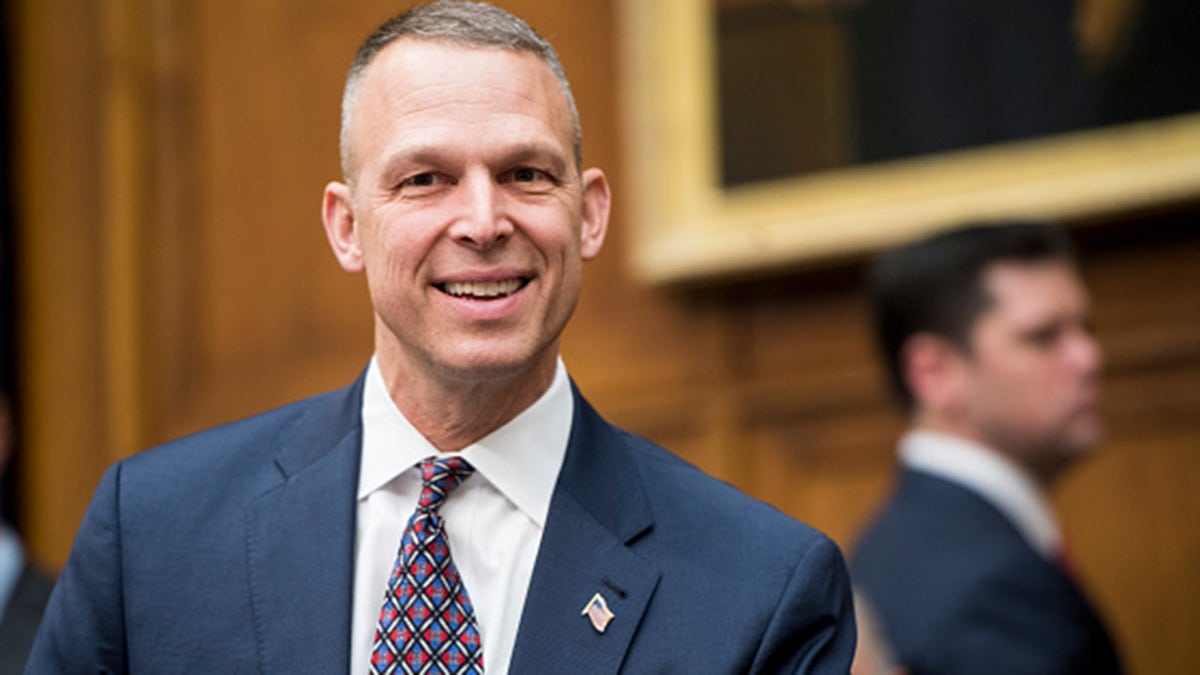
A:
x: 985, y: 333
x: 24, y: 589
x: 873, y: 655
x: 543, y: 540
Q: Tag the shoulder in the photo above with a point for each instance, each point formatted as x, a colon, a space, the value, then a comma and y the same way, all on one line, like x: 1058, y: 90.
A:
x: 634, y: 487
x: 220, y: 468
x: 683, y: 492
x: 692, y: 510
x: 928, y: 518
x: 936, y: 532
x: 608, y: 460
x: 942, y: 568
x: 318, y: 421
x: 779, y: 587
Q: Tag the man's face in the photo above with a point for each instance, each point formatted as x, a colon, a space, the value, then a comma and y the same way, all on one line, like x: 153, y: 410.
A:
x: 1032, y: 379
x: 466, y: 210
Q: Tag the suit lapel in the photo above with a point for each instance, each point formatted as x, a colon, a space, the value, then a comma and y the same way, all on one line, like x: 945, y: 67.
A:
x: 300, y: 541
x: 598, y: 509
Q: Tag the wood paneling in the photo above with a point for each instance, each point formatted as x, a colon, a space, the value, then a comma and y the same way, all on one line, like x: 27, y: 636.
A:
x: 58, y: 195
x: 171, y: 156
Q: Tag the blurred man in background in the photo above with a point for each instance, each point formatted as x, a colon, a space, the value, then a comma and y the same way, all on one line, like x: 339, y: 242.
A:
x: 874, y: 655
x: 24, y: 589
x: 986, y: 337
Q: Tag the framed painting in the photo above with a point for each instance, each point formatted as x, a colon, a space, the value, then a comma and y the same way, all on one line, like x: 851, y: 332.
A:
x: 708, y: 203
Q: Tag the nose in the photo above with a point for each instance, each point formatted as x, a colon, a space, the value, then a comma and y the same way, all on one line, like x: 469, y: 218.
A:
x: 483, y: 221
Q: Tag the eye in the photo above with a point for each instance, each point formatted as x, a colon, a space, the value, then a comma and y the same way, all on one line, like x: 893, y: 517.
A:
x: 427, y: 179
x: 1045, y: 336
x: 422, y: 185
x: 1057, y: 332
x: 529, y: 176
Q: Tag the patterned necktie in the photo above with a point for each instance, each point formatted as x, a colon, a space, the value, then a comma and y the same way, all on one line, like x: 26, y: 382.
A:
x: 427, y: 624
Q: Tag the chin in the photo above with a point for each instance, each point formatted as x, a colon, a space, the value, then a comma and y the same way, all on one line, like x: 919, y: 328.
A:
x: 479, y: 370
x: 1087, y: 434
x: 1076, y: 448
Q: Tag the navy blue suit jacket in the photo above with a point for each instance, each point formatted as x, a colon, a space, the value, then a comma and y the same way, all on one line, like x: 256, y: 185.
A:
x: 231, y: 551
x: 958, y: 590
x: 22, y: 616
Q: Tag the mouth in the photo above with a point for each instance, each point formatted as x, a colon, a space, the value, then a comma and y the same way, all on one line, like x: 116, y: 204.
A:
x: 482, y: 290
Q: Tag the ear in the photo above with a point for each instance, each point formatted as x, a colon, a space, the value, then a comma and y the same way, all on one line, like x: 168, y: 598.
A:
x: 936, y: 372
x: 337, y: 212
x: 597, y: 200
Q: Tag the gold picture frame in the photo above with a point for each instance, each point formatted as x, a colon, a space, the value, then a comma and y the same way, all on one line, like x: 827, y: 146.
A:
x: 687, y: 228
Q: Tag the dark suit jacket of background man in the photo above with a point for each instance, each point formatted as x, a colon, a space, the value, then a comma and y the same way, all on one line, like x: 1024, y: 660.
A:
x: 232, y: 552
x: 22, y: 617
x: 958, y: 590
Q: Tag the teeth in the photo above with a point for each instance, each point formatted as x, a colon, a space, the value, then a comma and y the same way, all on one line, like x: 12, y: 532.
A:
x: 482, y: 289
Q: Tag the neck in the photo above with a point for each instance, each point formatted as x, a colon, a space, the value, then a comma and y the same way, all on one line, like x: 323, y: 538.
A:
x: 1040, y: 466
x: 454, y: 411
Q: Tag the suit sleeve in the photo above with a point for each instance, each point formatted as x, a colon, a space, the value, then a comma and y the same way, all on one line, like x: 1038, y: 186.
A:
x: 812, y: 630
x: 83, y: 628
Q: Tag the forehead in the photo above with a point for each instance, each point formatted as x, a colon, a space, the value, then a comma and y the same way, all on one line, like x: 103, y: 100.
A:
x: 431, y: 87
x: 1028, y: 293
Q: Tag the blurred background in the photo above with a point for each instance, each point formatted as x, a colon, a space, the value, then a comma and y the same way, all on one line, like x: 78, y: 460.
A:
x: 165, y: 270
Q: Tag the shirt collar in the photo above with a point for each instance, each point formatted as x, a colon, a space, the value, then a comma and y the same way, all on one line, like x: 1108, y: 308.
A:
x: 996, y: 478
x: 521, y: 459
x: 12, y: 562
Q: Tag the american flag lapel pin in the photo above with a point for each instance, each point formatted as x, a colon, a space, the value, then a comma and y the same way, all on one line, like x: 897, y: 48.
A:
x: 597, y: 611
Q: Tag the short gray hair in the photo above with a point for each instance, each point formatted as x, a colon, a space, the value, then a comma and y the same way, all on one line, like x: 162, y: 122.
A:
x: 468, y: 24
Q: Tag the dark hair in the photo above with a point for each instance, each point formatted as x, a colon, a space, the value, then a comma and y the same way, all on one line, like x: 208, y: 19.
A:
x: 469, y: 24
x: 936, y: 284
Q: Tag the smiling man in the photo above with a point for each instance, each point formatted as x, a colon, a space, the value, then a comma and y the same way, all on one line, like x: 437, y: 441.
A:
x: 460, y: 508
x: 986, y: 336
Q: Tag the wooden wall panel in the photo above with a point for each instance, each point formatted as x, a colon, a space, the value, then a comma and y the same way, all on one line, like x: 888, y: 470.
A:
x: 1133, y: 513
x: 174, y: 275
x: 60, y: 265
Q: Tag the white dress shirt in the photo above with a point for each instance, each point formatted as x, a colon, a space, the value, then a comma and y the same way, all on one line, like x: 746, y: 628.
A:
x: 12, y: 563
x: 493, y: 520
x: 994, y: 477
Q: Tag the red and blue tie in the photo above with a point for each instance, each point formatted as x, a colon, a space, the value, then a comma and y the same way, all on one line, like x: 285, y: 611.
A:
x: 427, y: 623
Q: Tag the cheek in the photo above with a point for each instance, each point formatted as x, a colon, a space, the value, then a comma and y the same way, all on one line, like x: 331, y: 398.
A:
x: 379, y: 260
x: 1011, y: 392
x: 392, y: 246
x: 1033, y: 397
x: 556, y: 234
x: 563, y: 256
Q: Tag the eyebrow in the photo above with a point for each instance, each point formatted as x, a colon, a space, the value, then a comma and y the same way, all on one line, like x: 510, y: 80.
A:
x: 436, y: 155
x: 416, y: 154
x: 539, y: 152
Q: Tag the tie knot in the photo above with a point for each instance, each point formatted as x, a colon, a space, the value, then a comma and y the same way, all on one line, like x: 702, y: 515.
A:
x: 439, y: 477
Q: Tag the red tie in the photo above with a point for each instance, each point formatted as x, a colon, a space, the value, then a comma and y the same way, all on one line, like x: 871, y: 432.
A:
x: 427, y: 623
